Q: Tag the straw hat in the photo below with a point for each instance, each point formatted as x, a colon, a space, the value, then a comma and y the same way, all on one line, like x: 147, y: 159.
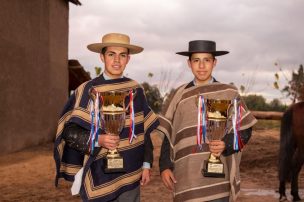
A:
x: 115, y: 39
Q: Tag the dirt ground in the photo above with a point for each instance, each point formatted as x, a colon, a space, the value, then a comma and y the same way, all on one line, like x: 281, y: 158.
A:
x: 29, y: 175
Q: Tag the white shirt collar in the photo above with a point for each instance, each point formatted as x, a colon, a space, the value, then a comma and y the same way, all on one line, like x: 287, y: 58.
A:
x: 209, y: 82
x: 106, y: 77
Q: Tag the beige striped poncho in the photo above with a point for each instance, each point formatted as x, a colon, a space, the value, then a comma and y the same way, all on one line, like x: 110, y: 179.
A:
x: 179, y: 124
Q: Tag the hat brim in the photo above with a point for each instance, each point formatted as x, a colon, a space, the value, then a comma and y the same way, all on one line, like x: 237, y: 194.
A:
x: 97, y: 47
x: 215, y: 53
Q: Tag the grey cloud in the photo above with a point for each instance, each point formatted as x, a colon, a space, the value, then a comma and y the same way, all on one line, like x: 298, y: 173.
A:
x: 257, y: 34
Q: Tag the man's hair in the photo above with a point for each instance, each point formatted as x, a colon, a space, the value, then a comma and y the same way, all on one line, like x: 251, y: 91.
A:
x: 103, y: 50
x: 193, y: 53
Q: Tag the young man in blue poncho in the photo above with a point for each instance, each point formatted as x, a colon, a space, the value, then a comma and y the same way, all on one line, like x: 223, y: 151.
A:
x: 72, y: 153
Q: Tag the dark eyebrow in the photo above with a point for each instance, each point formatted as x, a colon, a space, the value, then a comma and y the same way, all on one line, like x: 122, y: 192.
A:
x: 203, y: 58
x: 111, y: 52
x: 116, y: 53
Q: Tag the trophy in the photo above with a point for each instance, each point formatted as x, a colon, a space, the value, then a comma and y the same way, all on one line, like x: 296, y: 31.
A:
x: 217, y: 112
x: 113, y: 115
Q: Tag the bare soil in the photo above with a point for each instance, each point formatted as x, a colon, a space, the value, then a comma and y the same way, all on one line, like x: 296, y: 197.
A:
x: 29, y: 175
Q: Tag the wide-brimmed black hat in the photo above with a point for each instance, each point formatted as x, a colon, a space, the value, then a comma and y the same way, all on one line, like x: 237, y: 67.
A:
x: 202, y: 46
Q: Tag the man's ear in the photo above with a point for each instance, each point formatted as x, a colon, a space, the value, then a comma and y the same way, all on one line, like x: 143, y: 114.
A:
x: 189, y: 63
x: 214, y: 62
x: 128, y: 58
x: 101, y: 57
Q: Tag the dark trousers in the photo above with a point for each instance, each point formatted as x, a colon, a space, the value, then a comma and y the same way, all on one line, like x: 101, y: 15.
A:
x: 129, y: 196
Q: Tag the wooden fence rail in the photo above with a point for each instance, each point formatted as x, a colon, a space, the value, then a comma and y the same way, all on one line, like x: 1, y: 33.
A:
x: 267, y: 115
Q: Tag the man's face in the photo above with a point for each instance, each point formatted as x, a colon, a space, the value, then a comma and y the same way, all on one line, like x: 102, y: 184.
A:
x: 115, y: 60
x: 202, y: 65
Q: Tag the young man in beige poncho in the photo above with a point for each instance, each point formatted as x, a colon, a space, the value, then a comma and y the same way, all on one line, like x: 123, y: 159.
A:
x: 181, y: 160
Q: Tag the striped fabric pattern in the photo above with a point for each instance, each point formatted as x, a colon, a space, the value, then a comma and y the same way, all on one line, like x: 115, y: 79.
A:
x: 96, y: 185
x: 179, y: 124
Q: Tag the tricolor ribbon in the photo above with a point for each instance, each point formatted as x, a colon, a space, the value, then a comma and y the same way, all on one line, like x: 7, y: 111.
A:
x: 102, y: 121
x: 201, y: 122
x: 132, y: 119
x: 92, y: 123
x: 236, y: 124
x: 95, y: 120
x: 204, y: 120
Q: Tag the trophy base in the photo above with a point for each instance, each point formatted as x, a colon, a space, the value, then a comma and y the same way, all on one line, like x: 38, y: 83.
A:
x: 114, y: 162
x: 213, y: 169
x: 114, y: 170
x: 114, y: 165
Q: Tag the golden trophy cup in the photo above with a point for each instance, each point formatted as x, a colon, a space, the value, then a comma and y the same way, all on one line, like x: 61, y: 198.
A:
x: 217, y: 112
x: 114, y: 115
x: 112, y: 120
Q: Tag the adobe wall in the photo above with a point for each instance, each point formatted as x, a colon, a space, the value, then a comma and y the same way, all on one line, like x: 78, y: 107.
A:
x: 34, y: 73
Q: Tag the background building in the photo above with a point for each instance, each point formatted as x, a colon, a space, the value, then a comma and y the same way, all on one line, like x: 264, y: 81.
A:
x: 33, y: 70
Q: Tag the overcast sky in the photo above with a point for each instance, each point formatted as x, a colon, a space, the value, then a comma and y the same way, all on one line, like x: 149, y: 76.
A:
x: 258, y: 34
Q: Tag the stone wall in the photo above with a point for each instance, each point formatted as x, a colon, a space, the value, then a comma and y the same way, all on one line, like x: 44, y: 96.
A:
x: 33, y: 71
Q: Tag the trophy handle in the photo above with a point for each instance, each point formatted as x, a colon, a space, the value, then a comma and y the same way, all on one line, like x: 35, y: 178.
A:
x: 196, y: 99
x: 230, y: 112
x: 231, y: 108
x: 92, y: 93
